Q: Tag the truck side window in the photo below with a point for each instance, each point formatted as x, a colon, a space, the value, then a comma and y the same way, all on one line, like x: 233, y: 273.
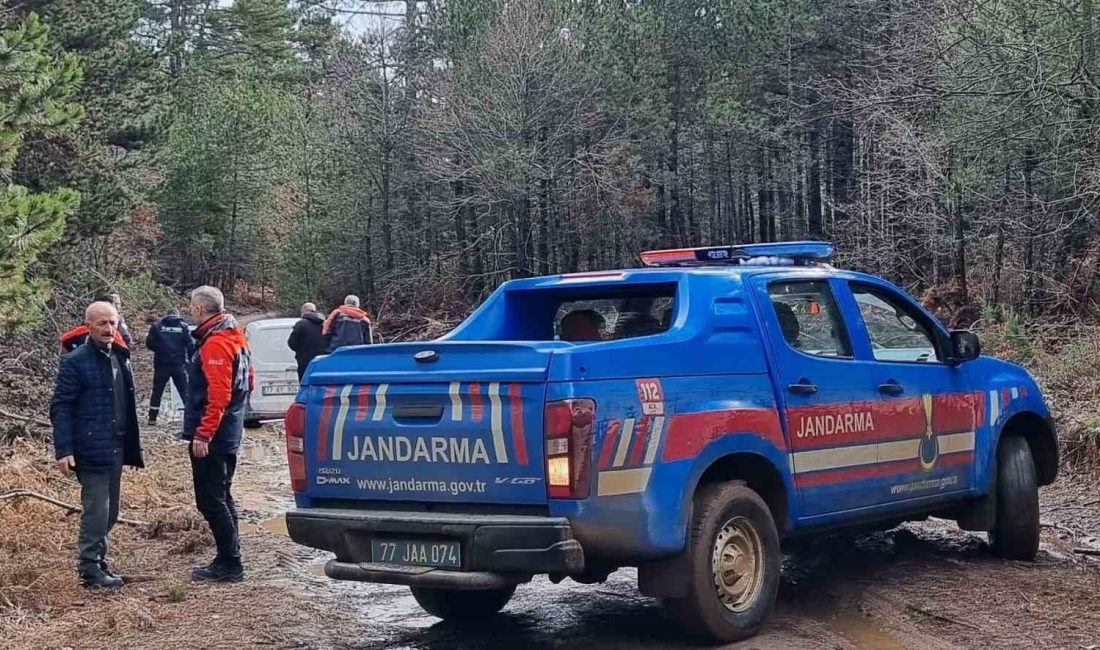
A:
x: 897, y: 331
x: 810, y: 319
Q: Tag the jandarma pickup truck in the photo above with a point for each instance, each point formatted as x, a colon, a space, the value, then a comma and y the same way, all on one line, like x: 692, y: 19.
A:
x: 683, y: 419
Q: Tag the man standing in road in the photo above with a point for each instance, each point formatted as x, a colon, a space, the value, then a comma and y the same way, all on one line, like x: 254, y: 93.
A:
x: 172, y: 347
x: 347, y: 325
x: 220, y: 381
x: 95, y: 433
x: 306, y: 338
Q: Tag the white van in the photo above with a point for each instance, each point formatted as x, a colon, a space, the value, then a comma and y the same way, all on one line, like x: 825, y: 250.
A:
x: 276, y: 372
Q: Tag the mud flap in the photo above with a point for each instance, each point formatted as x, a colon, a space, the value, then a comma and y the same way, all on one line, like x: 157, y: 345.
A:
x: 664, y: 578
x: 980, y: 515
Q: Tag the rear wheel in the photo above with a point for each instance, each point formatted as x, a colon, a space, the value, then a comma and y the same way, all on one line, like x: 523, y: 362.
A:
x: 733, y: 564
x: 462, y: 604
x: 1015, y: 534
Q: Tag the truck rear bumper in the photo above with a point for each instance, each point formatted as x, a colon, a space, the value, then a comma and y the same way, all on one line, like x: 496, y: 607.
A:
x: 496, y: 550
x: 421, y: 576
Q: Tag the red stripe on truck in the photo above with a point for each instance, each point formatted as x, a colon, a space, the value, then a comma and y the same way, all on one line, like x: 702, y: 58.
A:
x: 363, y: 407
x: 688, y: 433
x: 518, y: 441
x: 609, y: 439
x: 326, y: 415
x: 477, y: 411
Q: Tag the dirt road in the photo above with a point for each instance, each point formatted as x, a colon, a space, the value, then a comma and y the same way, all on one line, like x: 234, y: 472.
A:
x: 924, y: 586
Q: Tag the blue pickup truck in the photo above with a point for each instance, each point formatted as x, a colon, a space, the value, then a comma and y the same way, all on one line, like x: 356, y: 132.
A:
x: 683, y: 419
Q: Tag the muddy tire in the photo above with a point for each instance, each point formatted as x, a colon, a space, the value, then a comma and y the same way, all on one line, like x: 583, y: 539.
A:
x: 733, y: 564
x: 1015, y: 534
x: 462, y: 605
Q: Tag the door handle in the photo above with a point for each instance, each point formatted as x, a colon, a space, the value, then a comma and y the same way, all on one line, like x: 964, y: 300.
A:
x: 418, y: 412
x: 891, y: 388
x: 803, y: 387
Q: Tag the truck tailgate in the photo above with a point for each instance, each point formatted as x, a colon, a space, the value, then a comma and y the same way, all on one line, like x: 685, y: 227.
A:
x: 381, y: 427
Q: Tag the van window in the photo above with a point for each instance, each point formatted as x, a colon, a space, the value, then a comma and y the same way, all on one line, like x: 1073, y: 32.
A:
x: 269, y: 345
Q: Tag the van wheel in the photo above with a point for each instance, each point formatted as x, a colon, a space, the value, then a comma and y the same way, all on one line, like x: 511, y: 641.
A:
x: 733, y: 564
x: 462, y: 604
x: 1015, y: 533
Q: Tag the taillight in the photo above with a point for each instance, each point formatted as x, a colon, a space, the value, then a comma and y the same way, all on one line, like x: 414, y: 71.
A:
x: 567, y: 431
x: 295, y: 424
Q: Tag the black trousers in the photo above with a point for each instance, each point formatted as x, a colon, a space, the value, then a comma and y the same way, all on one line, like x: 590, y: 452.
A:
x: 213, y: 476
x: 161, y: 375
x: 99, y: 497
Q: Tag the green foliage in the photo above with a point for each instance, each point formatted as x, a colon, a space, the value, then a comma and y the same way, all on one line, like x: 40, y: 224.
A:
x: 109, y: 156
x: 35, y: 88
x: 176, y: 592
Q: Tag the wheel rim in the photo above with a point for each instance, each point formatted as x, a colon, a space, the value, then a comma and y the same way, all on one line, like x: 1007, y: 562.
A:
x: 738, y: 564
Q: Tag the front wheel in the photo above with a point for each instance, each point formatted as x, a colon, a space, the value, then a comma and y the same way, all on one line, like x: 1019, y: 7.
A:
x: 461, y: 604
x: 733, y: 564
x: 1015, y: 533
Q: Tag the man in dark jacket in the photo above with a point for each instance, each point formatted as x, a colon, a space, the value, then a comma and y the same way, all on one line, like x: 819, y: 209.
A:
x: 220, y: 381
x: 95, y: 433
x: 306, y: 338
x: 347, y: 325
x: 172, y: 347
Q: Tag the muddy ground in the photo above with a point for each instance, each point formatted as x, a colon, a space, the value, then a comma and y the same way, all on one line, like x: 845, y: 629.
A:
x: 925, y: 585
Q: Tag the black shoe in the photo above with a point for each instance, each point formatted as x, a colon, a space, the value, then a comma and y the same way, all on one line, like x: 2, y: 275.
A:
x: 215, y: 572
x: 97, y: 579
x: 152, y: 422
x: 107, y: 570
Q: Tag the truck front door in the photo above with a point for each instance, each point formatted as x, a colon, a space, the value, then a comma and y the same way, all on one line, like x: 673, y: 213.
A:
x: 826, y: 396
x: 930, y: 415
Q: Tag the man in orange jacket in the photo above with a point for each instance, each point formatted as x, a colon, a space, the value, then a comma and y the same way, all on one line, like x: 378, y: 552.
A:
x: 78, y: 335
x: 219, y: 382
x: 347, y: 325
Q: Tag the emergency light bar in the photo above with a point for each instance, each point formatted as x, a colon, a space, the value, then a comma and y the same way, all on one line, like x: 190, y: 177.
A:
x: 796, y: 253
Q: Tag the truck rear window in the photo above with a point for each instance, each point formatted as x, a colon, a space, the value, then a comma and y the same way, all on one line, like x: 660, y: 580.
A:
x: 614, y: 315
x: 573, y: 313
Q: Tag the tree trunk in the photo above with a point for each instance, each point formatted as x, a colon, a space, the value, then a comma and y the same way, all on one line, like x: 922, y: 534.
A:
x: 813, y: 184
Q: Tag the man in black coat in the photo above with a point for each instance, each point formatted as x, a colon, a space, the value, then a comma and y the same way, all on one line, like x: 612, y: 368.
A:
x: 306, y: 339
x: 95, y: 433
x: 172, y: 346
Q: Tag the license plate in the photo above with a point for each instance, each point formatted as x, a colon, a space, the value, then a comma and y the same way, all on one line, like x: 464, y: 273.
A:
x: 280, y: 389
x: 416, y: 552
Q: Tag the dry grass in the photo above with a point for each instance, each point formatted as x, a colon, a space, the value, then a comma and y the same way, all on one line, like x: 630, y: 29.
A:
x: 37, y: 563
x: 41, y: 604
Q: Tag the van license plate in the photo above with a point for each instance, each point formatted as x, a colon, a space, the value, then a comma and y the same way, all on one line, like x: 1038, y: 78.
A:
x: 280, y: 389
x: 416, y: 552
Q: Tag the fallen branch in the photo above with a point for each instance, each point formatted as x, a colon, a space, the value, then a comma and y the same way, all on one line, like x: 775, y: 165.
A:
x: 941, y: 617
x: 31, y: 494
x: 23, y: 418
x: 1057, y: 526
x: 1087, y: 551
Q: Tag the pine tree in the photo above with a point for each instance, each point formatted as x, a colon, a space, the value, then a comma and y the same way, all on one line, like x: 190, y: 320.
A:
x: 35, y: 91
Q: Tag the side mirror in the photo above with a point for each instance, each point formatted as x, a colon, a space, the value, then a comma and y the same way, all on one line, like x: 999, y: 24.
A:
x: 965, y: 345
